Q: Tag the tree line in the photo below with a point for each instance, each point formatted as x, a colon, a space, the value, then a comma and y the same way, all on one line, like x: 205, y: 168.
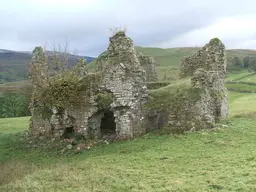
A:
x: 245, y: 62
x: 14, y: 105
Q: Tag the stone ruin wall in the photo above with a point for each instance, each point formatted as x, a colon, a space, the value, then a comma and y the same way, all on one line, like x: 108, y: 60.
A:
x: 124, y: 78
x: 208, y: 67
x: 149, y: 65
x: 205, y: 71
x: 123, y: 73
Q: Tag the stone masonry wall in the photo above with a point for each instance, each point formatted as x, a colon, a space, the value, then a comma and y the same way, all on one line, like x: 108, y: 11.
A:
x: 149, y: 65
x: 198, y: 103
x: 212, y: 59
x: 125, y: 78
x: 121, y: 75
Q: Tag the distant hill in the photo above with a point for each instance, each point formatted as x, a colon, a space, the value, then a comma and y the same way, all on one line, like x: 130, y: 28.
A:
x: 172, y: 56
x: 14, y: 64
x: 168, y: 60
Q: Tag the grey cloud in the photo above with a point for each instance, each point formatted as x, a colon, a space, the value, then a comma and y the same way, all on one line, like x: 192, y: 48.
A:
x: 24, y: 25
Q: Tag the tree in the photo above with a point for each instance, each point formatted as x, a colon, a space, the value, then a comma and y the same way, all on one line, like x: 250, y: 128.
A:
x: 246, y: 61
x: 252, y: 63
x: 14, y: 105
x: 236, y: 62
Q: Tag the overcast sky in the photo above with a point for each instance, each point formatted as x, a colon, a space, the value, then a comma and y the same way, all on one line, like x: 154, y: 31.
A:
x: 85, y: 24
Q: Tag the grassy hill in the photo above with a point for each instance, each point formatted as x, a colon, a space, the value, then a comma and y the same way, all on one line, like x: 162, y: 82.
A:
x: 167, y: 61
x: 222, y: 159
x: 172, y: 56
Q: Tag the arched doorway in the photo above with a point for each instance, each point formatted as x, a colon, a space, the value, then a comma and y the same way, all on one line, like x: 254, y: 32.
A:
x: 108, y: 125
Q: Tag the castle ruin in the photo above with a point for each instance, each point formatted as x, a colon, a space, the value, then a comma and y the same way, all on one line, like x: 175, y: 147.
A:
x: 115, y: 100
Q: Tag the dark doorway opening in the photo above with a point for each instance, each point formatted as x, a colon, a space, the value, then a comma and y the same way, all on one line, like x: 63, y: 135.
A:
x: 68, y: 133
x: 108, y: 125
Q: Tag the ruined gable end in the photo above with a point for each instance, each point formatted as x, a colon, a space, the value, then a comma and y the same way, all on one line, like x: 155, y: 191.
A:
x: 199, y: 99
x: 105, y: 103
x: 212, y: 57
x: 149, y: 65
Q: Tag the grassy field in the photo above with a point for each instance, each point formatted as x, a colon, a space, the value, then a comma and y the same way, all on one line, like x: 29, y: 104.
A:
x: 222, y: 159
x: 241, y: 87
x: 243, y: 76
x: 168, y: 60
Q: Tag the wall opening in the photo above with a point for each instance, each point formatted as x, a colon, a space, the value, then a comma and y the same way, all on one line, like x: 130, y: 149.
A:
x: 69, y: 132
x: 108, y: 125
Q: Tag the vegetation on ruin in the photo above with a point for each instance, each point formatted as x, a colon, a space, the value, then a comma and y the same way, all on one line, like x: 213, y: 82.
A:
x: 173, y: 95
x: 61, y: 91
x: 104, y: 100
x: 55, y: 85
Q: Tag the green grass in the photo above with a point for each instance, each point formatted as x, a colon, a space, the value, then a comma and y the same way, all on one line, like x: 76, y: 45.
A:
x: 222, y: 159
x: 251, y: 78
x: 13, y: 125
x: 242, y: 104
x: 243, y: 76
x: 240, y: 87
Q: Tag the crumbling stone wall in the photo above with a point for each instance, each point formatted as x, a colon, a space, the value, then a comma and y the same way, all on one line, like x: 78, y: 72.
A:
x: 211, y: 63
x: 119, y: 87
x: 199, y: 99
x: 149, y: 65
x: 125, y: 78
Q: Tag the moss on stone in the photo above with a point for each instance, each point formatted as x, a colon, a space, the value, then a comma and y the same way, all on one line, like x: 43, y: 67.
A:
x: 104, y: 100
x: 44, y: 111
x: 173, y: 95
x: 62, y: 90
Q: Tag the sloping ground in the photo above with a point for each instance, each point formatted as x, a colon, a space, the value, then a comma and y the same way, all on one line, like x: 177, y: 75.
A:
x: 17, y: 86
x: 219, y: 160
x: 244, y: 76
x: 172, y: 56
x: 168, y: 60
x: 242, y: 104
x: 241, y: 87
x: 242, y: 81
x: 251, y: 78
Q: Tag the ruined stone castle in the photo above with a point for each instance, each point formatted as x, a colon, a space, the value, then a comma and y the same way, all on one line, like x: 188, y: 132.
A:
x: 116, y: 100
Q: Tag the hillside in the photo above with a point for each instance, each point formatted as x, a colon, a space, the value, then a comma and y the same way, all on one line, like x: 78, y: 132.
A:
x: 167, y: 60
x: 14, y: 64
x: 173, y: 56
